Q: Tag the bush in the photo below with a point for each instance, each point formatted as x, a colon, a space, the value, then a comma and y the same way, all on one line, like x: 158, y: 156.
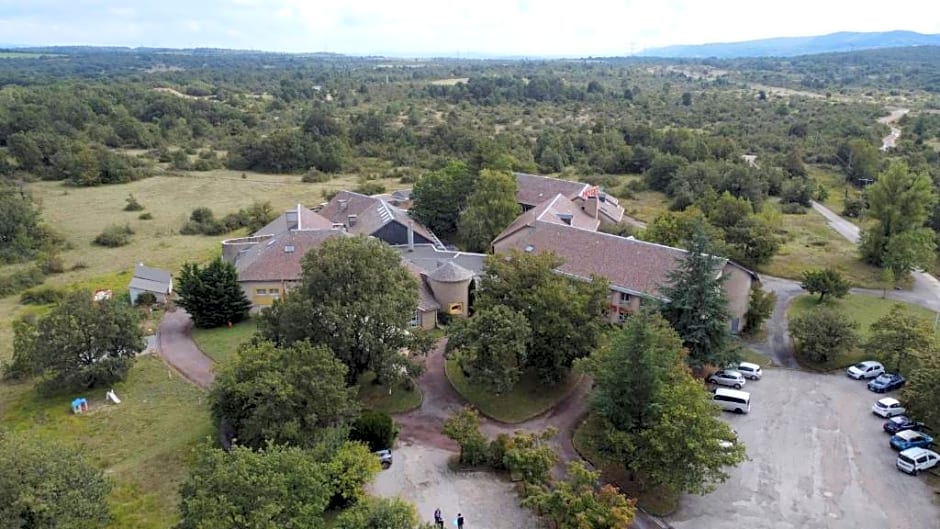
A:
x: 41, y: 296
x: 793, y: 208
x: 52, y: 264
x: 146, y: 299
x: 853, y: 207
x: 132, y: 204
x: 314, y: 176
x: 376, y: 429
x: 328, y: 194
x: 369, y: 187
x: 145, y: 216
x: 20, y: 280
x: 114, y: 236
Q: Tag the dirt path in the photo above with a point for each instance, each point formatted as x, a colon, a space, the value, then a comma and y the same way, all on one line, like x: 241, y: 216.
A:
x: 889, y: 141
x: 179, y: 350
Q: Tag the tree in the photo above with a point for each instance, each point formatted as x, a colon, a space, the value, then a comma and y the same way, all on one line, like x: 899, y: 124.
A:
x: 760, y: 307
x: 258, y: 215
x: 492, y: 346
x: 438, y: 198
x: 565, y: 315
x: 211, y: 294
x: 21, y: 233
x: 273, y: 487
x: 825, y: 282
x: 697, y: 307
x: 921, y: 394
x: 578, y: 503
x: 387, y: 513
x: 47, y: 486
x: 284, y: 395
x: 348, y: 470
x: 859, y: 160
x: 356, y: 298
x: 630, y: 371
x: 909, y: 251
x: 823, y: 333
x: 901, y: 201
x: 80, y: 343
x: 898, y: 335
x: 490, y: 208
x: 793, y: 163
x: 529, y: 456
x: 676, y: 228
x: 464, y: 428
x: 374, y: 428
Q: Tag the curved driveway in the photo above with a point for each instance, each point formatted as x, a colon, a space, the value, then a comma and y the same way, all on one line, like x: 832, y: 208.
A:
x: 179, y: 350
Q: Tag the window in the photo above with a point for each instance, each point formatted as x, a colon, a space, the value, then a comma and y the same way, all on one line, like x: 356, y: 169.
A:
x: 625, y: 298
x: 415, y: 320
x: 274, y: 291
x: 261, y: 291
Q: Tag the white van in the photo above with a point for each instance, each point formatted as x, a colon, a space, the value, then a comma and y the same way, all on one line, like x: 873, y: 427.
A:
x: 732, y: 400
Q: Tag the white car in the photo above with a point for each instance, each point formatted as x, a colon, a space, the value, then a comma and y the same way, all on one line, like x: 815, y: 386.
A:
x: 749, y: 370
x: 887, y: 407
x: 727, y: 377
x: 913, y: 460
x: 866, y: 369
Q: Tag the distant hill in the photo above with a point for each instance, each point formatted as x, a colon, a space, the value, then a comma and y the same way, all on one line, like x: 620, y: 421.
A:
x: 792, y: 46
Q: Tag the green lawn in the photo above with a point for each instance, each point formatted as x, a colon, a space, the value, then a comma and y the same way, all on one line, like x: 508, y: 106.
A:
x: 809, y: 243
x: 377, y: 397
x: 586, y: 438
x: 862, y: 309
x: 529, y: 398
x: 142, y: 443
x: 221, y: 343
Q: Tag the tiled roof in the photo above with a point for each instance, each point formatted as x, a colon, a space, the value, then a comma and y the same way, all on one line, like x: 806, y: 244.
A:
x: 371, y: 214
x: 553, y: 210
x: 152, y: 274
x: 279, y: 258
x: 450, y: 272
x: 309, y: 220
x: 426, y: 299
x: 535, y: 189
x: 427, y: 258
x: 629, y: 264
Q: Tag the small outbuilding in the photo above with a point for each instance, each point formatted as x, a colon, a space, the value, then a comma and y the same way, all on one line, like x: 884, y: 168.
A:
x: 154, y: 280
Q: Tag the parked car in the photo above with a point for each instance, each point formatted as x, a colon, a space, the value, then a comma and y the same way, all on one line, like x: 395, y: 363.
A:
x: 910, y: 439
x: 913, y: 460
x: 887, y: 407
x: 901, y: 423
x: 727, y: 377
x: 866, y: 369
x: 886, y: 382
x: 749, y: 370
x: 732, y: 400
x: 385, y: 457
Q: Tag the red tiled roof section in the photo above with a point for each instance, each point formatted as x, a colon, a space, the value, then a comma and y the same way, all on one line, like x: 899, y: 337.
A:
x: 313, y: 221
x: 550, y: 211
x: 271, y: 260
x: 371, y: 214
x: 627, y: 263
x: 535, y: 189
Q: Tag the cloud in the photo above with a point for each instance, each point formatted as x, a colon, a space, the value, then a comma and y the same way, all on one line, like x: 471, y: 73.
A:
x: 426, y: 27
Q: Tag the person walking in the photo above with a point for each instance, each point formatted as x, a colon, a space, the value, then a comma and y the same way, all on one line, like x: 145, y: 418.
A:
x: 438, y: 518
x: 459, y: 521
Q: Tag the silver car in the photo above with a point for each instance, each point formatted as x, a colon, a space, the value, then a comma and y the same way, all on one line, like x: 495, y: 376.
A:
x: 727, y: 377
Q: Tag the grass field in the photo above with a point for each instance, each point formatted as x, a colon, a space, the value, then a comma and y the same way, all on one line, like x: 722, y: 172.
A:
x: 377, y: 397
x: 810, y: 244
x: 529, y: 398
x: 862, y: 309
x: 142, y: 444
x: 221, y: 343
x: 585, y: 440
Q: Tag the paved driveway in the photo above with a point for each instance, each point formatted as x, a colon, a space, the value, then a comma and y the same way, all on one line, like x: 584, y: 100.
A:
x: 818, y: 459
x: 421, y: 476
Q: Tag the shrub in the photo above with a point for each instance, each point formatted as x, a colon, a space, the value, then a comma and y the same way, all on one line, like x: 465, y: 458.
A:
x: 145, y: 216
x: 314, y: 176
x: 20, y: 280
x: 41, y: 296
x: 328, y: 194
x: 114, y: 236
x: 853, y: 207
x: 132, y: 204
x: 376, y: 429
x: 52, y: 264
x: 793, y: 208
x: 146, y: 299
x: 369, y: 187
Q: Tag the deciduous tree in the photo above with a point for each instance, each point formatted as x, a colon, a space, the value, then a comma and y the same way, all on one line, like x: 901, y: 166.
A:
x: 384, y: 513
x: 355, y: 297
x: 823, y: 333
x: 45, y: 486
x: 80, y: 343
x: 492, y: 346
x: 921, y: 395
x: 579, y: 503
x: 490, y: 208
x: 284, y: 395
x: 211, y: 294
x: 760, y: 306
x: 464, y: 428
x: 899, y: 337
x: 825, y: 282
x: 901, y: 201
x: 439, y: 197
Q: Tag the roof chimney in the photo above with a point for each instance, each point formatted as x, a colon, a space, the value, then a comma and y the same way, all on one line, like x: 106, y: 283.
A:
x: 293, y: 218
x: 351, y: 220
x: 411, y: 235
x: 343, y: 204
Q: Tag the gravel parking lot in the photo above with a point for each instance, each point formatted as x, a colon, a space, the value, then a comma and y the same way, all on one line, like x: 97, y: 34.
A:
x: 421, y: 476
x: 818, y: 458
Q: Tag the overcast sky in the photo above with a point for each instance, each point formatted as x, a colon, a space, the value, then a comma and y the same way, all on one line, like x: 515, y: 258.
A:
x: 445, y: 27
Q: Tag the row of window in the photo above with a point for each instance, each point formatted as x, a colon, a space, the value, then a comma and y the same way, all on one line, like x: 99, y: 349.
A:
x: 267, y: 292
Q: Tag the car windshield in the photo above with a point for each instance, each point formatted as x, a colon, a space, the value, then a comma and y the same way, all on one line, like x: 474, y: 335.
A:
x: 860, y: 365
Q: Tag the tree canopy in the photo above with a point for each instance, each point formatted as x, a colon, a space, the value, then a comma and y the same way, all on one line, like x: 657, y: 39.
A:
x: 211, y: 294
x: 356, y: 298
x: 492, y: 346
x: 899, y: 339
x: 825, y: 282
x: 823, y: 333
x: 490, y: 208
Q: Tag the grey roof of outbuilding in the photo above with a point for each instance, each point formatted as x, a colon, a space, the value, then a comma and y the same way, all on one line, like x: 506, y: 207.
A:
x: 450, y: 272
x: 153, y: 274
x: 139, y: 283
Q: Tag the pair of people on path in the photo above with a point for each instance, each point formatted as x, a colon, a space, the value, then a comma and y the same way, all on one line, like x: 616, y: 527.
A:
x: 439, y: 519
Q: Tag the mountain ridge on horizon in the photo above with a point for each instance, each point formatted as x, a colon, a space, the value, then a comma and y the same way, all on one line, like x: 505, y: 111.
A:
x: 842, y: 41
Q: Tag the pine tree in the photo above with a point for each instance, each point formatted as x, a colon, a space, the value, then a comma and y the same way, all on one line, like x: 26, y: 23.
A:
x: 212, y: 295
x: 697, y: 307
